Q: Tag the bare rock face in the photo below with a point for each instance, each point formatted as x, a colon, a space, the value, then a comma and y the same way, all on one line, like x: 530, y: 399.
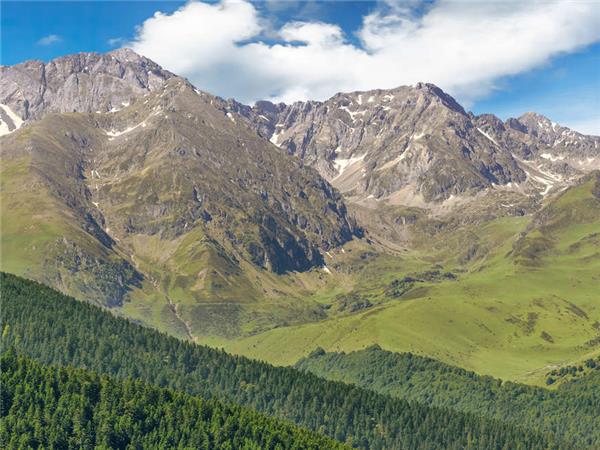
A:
x: 84, y: 82
x: 560, y: 143
x: 417, y: 145
x: 407, y: 142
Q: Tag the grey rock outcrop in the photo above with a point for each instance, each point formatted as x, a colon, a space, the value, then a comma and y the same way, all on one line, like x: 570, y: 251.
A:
x: 84, y: 82
x: 417, y: 145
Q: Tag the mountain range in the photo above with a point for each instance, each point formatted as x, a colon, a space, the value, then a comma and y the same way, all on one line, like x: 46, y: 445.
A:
x: 417, y: 145
x: 241, y: 226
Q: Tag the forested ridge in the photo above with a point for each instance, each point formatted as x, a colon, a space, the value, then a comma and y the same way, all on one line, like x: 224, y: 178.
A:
x: 53, y: 329
x: 571, y: 411
x: 67, y: 408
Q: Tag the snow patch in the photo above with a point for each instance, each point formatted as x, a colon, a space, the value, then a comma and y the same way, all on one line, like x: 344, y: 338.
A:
x: 450, y: 198
x: 275, y: 138
x: 359, y: 100
x: 488, y: 136
x: 14, y: 118
x: 342, y: 164
x: 352, y: 114
x: 552, y: 157
x: 394, y: 162
x: 326, y: 270
x: 231, y: 117
x: 549, y: 184
x: 113, y: 134
x: 371, y: 99
x: 547, y: 179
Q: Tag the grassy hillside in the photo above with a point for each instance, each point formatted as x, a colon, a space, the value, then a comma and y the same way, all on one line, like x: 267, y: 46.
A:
x: 169, y: 211
x: 573, y: 410
x: 53, y: 329
x: 50, y: 407
x: 45, y: 234
x: 526, y: 303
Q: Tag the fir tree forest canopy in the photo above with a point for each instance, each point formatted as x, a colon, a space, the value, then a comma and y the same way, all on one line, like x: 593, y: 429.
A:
x: 67, y: 408
x: 54, y: 329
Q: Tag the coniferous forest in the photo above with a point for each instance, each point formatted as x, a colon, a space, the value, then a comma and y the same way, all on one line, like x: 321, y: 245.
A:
x: 44, y: 325
x: 48, y: 407
x: 572, y: 411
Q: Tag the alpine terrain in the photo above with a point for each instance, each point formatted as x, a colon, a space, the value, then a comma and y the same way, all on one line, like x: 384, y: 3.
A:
x: 390, y: 217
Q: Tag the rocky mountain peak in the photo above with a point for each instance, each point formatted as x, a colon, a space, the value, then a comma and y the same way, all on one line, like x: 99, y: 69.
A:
x: 192, y: 166
x: 539, y: 125
x: 82, y: 82
x: 447, y: 100
x: 370, y: 144
x: 562, y: 142
x: 411, y: 143
x: 545, y: 129
x: 126, y: 54
x: 416, y: 145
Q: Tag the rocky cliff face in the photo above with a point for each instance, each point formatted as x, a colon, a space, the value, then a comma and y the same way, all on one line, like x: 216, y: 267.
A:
x: 84, y: 82
x: 417, y: 145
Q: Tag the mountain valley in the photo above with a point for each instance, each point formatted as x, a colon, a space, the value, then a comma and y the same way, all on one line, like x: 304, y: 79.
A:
x: 389, y: 217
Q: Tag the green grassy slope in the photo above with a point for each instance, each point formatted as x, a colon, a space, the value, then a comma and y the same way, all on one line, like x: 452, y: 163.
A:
x: 189, y: 285
x: 517, y: 312
x: 522, y: 298
x: 182, y: 224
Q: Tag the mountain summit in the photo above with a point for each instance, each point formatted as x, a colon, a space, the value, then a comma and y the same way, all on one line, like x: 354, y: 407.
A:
x: 417, y: 145
x: 84, y: 82
x: 167, y: 196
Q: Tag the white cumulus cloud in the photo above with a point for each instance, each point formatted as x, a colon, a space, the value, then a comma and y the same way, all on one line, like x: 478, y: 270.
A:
x: 464, y: 47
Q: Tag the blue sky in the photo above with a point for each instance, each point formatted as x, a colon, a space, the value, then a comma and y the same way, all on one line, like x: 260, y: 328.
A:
x: 297, y: 50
